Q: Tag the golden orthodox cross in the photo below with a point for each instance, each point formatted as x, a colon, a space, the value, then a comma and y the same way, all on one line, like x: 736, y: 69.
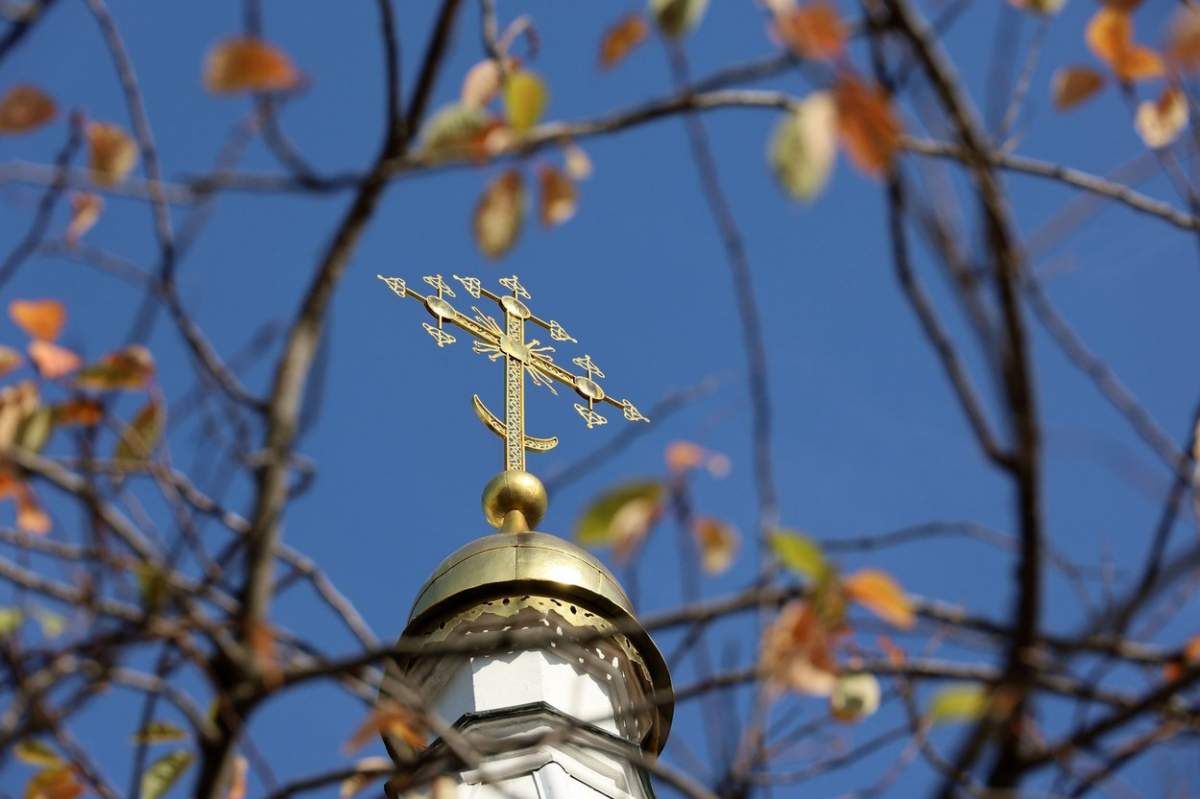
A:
x: 521, y: 357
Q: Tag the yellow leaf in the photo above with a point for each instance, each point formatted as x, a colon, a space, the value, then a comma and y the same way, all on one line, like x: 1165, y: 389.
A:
x: 24, y: 108
x: 163, y: 773
x: 621, y: 38
x: 51, y: 360
x: 854, y: 697
x: 10, y: 359
x: 51, y: 623
x: 499, y: 214
x: 10, y: 621
x: 112, y: 154
x: 40, y: 319
x: 799, y: 553
x: 559, y: 199
x: 34, y: 430
x: 804, y: 146
x: 601, y: 523
x: 1070, y: 86
x: 392, y: 719
x: 36, y: 753
x: 129, y: 368
x: 958, y: 703
x: 525, y: 98
x: 677, y: 17
x: 55, y: 782
x: 139, y: 439
x: 375, y: 767
x: 1159, y: 122
x: 869, y: 128
x: 159, y: 732
x: 718, y: 543
x: 246, y: 64
x: 1109, y: 34
x: 85, y: 212
x: 814, y: 31
x: 876, y: 591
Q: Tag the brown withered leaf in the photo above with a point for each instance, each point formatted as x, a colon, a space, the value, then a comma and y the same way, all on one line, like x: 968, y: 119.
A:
x: 10, y: 359
x: 85, y: 212
x: 558, y: 196
x: 23, y: 108
x: 1109, y: 35
x: 129, y: 368
x: 1183, y: 39
x: 499, y: 214
x: 247, y: 64
x: 40, y: 319
x: 878, y: 592
x: 389, y: 718
x: 51, y: 360
x: 266, y: 659
x: 237, y: 782
x: 718, y: 543
x: 112, y: 154
x: 868, y: 125
x: 369, y: 769
x: 1189, y: 656
x: 797, y: 651
x: 1159, y: 122
x: 1071, y: 86
x: 17, y: 403
x: 621, y: 38
x: 814, y: 31
x: 80, y: 411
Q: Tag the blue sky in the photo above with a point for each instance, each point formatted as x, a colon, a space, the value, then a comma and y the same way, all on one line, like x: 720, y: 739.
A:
x: 868, y: 437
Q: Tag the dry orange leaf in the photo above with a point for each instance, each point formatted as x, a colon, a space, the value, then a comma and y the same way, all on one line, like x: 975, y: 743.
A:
x: 237, y: 783
x: 40, y: 319
x: 1110, y: 36
x: 1189, y: 656
x: 25, y: 107
x: 112, y: 154
x: 559, y: 198
x: 718, y: 543
x: 9, y: 359
x: 81, y: 411
x: 266, y: 659
x: 389, y: 718
x: 1159, y: 122
x: 797, y: 651
x: 54, y: 782
x: 1070, y: 86
x: 1183, y: 40
x: 51, y: 360
x: 868, y: 125
x: 813, y: 31
x: 895, y: 655
x: 621, y: 38
x: 879, y: 593
x: 129, y: 368
x: 85, y: 212
x: 499, y: 214
x: 246, y: 64
x: 30, y: 516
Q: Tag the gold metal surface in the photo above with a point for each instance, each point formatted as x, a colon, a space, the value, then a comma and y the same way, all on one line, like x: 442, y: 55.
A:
x: 522, y: 358
x: 514, y: 501
x: 538, y: 564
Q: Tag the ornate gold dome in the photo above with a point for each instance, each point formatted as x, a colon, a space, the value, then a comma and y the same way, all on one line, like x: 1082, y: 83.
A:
x: 532, y: 563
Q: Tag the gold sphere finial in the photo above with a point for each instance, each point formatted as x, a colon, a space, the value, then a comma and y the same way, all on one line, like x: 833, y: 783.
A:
x: 514, y: 501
